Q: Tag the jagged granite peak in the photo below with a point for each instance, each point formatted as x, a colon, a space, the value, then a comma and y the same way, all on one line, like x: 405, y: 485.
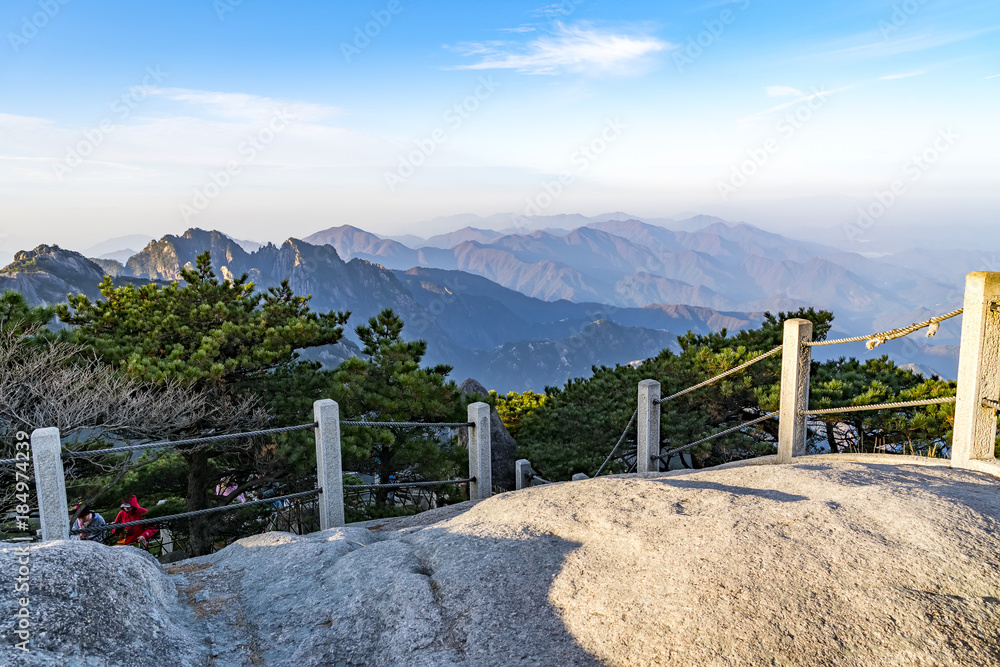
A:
x: 164, y: 259
x: 47, y: 274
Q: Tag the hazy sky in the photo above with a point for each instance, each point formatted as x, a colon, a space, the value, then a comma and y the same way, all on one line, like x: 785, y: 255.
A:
x: 276, y: 119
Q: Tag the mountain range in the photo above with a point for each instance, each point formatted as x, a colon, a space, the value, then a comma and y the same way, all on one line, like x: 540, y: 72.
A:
x: 506, y: 339
x: 525, y: 308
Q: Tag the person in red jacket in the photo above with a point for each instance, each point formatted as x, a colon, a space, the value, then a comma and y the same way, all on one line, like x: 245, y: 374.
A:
x: 130, y: 511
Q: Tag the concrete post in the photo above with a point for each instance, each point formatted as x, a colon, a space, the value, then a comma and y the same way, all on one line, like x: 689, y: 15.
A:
x: 522, y: 472
x: 795, y: 362
x: 978, y: 370
x: 479, y: 452
x: 329, y: 475
x: 580, y: 476
x: 50, y: 483
x: 648, y: 426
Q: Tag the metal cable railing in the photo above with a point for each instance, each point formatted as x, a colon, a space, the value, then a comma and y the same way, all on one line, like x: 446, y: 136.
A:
x: 735, y: 369
x: 876, y: 339
x: 532, y: 476
x: 185, y: 515
x: 619, y: 443
x: 409, y: 424
x: 734, y: 429
x: 405, y: 485
x: 92, y: 453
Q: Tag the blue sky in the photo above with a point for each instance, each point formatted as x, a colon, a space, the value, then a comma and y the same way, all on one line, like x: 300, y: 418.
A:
x: 267, y: 119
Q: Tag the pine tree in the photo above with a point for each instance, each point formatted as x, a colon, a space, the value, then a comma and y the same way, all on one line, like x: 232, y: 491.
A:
x: 389, y: 384
x: 223, y: 337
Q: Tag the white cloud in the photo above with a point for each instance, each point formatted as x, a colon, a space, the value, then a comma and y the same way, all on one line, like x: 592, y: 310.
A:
x: 246, y: 106
x: 568, y: 48
x: 522, y: 28
x: 993, y: 76
x: 889, y: 77
x: 783, y: 91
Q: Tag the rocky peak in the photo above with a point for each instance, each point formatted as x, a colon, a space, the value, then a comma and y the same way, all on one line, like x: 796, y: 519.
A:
x: 46, y: 274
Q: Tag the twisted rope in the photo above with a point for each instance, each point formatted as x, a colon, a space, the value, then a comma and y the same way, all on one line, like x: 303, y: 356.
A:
x: 178, y: 443
x: 404, y: 485
x: 619, y: 443
x: 533, y: 476
x: 4, y: 462
x: 735, y: 369
x: 406, y: 424
x: 211, y: 510
x: 876, y: 339
x: 739, y: 427
x: 880, y: 406
x: 990, y: 403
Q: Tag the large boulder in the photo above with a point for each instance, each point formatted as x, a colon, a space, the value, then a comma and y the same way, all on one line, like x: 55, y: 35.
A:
x: 503, y: 447
x: 817, y: 563
x: 93, y: 605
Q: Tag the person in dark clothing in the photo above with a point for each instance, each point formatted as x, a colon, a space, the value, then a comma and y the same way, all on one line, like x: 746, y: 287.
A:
x: 88, y: 518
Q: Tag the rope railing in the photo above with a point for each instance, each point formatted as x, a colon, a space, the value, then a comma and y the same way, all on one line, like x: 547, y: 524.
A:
x: 185, y: 515
x: 91, y: 453
x: 876, y: 339
x: 734, y: 429
x: 533, y: 476
x: 619, y: 443
x: 408, y: 424
x: 880, y: 406
x: 405, y: 485
x: 990, y: 403
x: 735, y: 369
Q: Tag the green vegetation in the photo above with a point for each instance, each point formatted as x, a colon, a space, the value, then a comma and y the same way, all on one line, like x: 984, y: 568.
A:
x: 390, y: 385
x: 225, y: 354
x: 572, y: 429
x: 513, y: 407
x: 219, y: 337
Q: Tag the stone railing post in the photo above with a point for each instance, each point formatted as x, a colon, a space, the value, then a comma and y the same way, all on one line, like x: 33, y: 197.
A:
x: 480, y: 468
x: 329, y: 474
x: 522, y: 474
x: 50, y: 483
x: 978, y: 370
x: 796, y: 359
x: 648, y: 427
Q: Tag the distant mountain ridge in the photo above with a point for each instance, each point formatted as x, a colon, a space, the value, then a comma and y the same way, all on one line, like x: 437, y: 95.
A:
x: 633, y: 263
x: 504, y: 338
x: 700, y: 272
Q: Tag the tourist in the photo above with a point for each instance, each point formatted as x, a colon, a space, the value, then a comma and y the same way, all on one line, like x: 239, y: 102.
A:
x: 87, y: 518
x: 130, y: 511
